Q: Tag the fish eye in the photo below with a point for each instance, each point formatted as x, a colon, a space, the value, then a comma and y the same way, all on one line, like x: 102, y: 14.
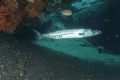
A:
x: 93, y: 32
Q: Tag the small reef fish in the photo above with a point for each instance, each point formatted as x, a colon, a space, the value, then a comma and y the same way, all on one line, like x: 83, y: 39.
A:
x: 71, y: 33
x: 66, y: 12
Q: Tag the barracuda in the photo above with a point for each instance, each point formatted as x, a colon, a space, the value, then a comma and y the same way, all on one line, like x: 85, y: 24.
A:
x: 71, y: 33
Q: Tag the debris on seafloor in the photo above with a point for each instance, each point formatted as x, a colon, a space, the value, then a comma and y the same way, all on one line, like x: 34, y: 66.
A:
x: 22, y: 73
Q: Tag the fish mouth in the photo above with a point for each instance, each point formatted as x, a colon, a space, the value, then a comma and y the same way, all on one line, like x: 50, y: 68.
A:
x: 96, y: 32
x: 90, y: 32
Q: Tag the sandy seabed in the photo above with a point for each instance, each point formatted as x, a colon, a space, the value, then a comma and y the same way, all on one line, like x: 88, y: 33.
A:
x: 27, y: 61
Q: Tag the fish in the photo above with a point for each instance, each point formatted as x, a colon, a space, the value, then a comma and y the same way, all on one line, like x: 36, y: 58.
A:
x: 70, y: 33
x: 66, y: 12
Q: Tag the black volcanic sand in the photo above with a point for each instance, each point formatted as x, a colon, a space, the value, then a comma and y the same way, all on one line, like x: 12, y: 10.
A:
x: 26, y: 61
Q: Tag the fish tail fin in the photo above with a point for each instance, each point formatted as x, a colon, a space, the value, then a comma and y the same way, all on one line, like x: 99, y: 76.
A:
x: 38, y: 35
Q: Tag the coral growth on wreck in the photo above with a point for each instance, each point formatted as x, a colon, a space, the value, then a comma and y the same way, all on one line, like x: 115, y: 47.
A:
x: 34, y: 8
x: 12, y: 12
x: 8, y: 20
x: 30, y: 1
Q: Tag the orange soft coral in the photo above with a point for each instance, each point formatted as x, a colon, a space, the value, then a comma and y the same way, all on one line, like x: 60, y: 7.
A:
x: 7, y: 8
x: 9, y: 16
x: 34, y: 8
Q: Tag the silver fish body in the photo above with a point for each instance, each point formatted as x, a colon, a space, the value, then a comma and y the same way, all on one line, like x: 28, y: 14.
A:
x: 71, y: 33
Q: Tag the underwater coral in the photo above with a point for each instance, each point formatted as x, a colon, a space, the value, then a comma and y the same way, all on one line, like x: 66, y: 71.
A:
x: 13, y: 11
